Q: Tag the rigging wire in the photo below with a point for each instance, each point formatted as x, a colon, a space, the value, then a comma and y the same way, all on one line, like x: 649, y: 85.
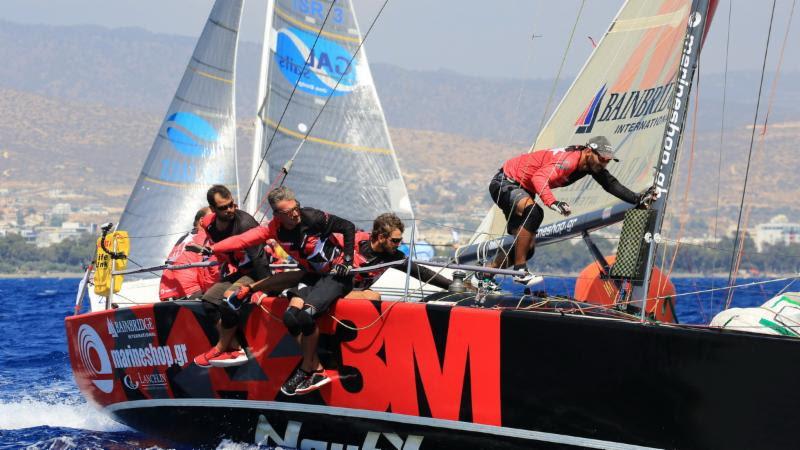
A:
x: 286, y: 107
x: 739, y: 239
x: 558, y: 74
x: 722, y: 127
x: 759, y: 154
x: 287, y: 166
x: 523, y: 85
x: 336, y: 86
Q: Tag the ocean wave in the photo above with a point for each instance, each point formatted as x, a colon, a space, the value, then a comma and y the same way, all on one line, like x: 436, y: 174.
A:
x: 29, y: 413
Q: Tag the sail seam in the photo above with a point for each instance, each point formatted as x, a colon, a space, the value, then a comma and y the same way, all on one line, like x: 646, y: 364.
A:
x: 208, y: 75
x: 176, y: 185
x: 673, y: 20
x: 224, y: 27
x: 342, y: 145
x: 219, y: 112
x: 210, y: 65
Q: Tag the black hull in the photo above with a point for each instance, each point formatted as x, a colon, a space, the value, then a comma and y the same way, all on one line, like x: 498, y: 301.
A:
x: 299, y: 426
x: 483, y: 378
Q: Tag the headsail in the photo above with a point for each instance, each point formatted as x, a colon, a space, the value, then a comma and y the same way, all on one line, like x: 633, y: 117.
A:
x: 347, y: 165
x: 623, y: 92
x: 195, y: 146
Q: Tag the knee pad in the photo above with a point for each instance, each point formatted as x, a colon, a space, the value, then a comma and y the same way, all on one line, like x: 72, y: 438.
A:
x: 307, y: 323
x: 290, y: 320
x: 514, y: 221
x: 228, y: 316
x: 532, y: 217
x: 299, y: 320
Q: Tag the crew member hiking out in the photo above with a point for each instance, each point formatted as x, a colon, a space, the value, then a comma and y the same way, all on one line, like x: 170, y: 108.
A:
x: 381, y: 246
x: 521, y: 178
x: 239, y: 268
x: 326, y: 259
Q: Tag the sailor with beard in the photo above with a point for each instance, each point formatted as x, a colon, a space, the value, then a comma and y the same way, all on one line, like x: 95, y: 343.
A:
x: 521, y: 179
x: 240, y: 268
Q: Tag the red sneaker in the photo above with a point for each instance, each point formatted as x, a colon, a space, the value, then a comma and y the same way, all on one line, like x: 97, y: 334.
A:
x: 204, y: 359
x: 228, y: 359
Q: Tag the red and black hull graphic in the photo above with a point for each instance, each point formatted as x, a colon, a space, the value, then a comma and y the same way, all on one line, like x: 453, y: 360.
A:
x: 419, y: 376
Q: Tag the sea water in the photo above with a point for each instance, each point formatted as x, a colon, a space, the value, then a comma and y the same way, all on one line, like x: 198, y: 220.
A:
x: 41, y: 407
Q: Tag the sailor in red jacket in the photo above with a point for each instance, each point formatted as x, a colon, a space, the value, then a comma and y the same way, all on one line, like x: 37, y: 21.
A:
x: 188, y: 283
x: 308, y: 236
x: 522, y: 178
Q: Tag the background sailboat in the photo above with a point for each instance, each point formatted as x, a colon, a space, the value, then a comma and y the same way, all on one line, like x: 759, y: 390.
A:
x: 195, y: 147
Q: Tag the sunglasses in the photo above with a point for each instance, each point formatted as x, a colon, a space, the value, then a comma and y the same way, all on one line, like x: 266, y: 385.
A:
x: 396, y: 240
x: 287, y: 212
x: 231, y: 205
x: 601, y: 157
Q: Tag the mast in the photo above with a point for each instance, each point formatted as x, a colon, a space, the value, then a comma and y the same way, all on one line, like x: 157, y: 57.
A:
x: 670, y: 142
x: 261, y: 107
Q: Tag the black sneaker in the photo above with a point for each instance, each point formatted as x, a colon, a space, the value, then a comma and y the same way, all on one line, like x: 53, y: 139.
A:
x: 290, y: 386
x: 317, y: 379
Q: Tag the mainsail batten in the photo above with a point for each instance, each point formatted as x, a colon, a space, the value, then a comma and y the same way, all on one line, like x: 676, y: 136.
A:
x: 195, y: 146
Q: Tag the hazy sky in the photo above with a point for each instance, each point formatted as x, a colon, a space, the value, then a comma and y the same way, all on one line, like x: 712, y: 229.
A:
x: 458, y: 35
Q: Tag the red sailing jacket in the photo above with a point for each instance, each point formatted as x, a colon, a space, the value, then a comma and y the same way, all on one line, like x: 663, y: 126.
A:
x: 537, y: 172
x: 314, y: 249
x: 185, y: 282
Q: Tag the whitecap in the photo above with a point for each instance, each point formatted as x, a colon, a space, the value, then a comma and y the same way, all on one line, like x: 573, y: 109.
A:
x: 29, y: 413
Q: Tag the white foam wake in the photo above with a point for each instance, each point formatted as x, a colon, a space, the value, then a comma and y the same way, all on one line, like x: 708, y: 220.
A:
x: 29, y: 413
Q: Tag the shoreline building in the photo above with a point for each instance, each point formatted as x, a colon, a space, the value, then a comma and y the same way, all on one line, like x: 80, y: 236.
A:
x: 777, y: 230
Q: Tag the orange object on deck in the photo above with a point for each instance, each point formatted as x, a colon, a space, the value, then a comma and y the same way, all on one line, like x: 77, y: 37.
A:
x: 590, y: 288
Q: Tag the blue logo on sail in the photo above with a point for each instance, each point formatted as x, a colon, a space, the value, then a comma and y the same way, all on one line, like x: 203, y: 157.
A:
x: 327, y: 63
x: 190, y: 134
x: 586, y: 120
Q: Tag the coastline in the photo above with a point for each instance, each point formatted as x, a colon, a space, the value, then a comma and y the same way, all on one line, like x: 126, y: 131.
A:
x: 5, y: 276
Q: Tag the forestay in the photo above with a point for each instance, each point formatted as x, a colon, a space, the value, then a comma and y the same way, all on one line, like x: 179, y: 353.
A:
x: 347, y: 165
x: 623, y: 92
x: 195, y: 146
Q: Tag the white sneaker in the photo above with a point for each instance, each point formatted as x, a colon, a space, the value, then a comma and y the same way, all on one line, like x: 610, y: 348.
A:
x: 528, y: 279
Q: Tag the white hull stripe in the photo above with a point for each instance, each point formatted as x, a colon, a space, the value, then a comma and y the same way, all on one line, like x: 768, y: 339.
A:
x: 373, y: 415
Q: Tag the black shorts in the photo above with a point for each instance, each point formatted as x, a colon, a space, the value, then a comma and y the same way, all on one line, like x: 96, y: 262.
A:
x: 320, y: 291
x: 506, y: 194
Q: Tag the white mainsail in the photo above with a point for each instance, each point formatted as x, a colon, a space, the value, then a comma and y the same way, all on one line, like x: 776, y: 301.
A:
x: 195, y: 147
x: 346, y: 164
x: 623, y: 92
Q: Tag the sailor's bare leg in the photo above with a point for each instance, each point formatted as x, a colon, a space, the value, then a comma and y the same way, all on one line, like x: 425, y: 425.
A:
x: 525, y: 240
x: 366, y: 294
x: 308, y: 344
x: 227, y: 338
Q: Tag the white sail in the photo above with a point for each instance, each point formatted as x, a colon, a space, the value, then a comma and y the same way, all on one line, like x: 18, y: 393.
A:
x: 195, y: 146
x: 347, y: 164
x: 623, y: 92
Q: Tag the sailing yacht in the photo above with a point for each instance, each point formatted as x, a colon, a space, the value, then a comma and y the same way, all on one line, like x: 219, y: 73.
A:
x: 456, y: 369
